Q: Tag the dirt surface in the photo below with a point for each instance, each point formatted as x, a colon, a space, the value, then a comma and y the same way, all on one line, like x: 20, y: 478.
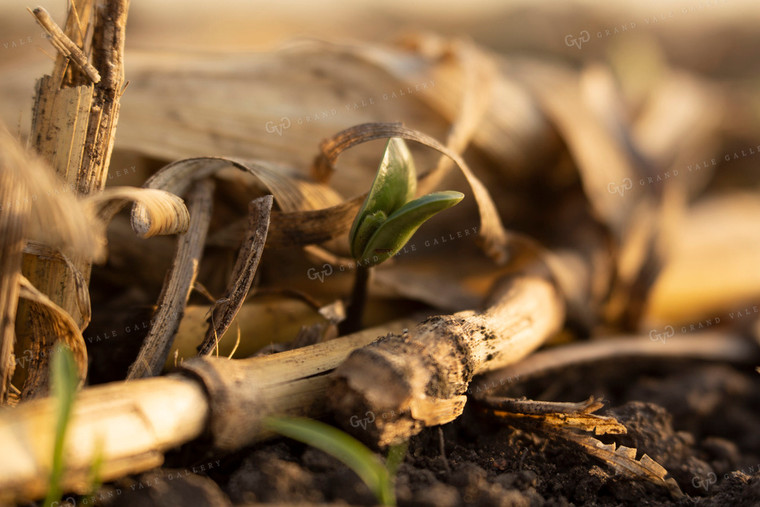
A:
x: 698, y: 420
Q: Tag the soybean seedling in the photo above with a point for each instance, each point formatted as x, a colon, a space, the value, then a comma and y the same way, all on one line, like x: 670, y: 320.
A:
x: 388, y: 219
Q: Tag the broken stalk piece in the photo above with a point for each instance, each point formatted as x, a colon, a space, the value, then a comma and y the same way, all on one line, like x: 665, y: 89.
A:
x: 419, y: 378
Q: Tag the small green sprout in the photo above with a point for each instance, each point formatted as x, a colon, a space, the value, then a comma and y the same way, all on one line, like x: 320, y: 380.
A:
x: 379, y: 477
x: 389, y: 217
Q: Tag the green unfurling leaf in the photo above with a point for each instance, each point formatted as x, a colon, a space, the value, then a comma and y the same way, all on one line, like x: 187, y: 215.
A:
x: 394, y: 185
x: 393, y: 233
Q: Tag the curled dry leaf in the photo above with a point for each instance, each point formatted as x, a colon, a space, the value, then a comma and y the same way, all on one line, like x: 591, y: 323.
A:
x: 163, y: 212
x: 465, y: 88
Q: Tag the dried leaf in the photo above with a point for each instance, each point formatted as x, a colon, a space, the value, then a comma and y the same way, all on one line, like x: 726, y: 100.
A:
x: 623, y: 460
x: 305, y: 217
x: 241, y: 279
x: 163, y: 212
x: 179, y: 283
x: 557, y: 414
x: 718, y: 239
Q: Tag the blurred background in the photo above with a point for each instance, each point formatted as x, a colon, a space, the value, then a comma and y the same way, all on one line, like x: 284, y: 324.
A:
x: 714, y: 37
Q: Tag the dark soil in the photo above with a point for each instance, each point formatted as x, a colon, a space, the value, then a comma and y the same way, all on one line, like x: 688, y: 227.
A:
x: 699, y: 420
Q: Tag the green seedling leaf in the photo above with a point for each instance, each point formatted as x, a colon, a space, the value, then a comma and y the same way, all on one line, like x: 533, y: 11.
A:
x: 367, y: 465
x: 65, y: 379
x: 394, y: 185
x: 393, y: 233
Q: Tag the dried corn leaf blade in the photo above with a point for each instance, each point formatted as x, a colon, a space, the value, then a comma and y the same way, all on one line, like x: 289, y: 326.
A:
x: 56, y: 326
x: 272, y: 106
x: 588, y: 110
x: 226, y: 309
x: 302, y: 219
x: 597, y: 143
x: 623, y: 460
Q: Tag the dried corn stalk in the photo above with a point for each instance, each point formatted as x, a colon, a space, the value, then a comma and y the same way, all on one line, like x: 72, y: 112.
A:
x: 75, y: 116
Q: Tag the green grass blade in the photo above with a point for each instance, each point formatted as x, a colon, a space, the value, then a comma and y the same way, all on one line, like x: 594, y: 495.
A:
x: 64, y: 385
x: 367, y: 465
